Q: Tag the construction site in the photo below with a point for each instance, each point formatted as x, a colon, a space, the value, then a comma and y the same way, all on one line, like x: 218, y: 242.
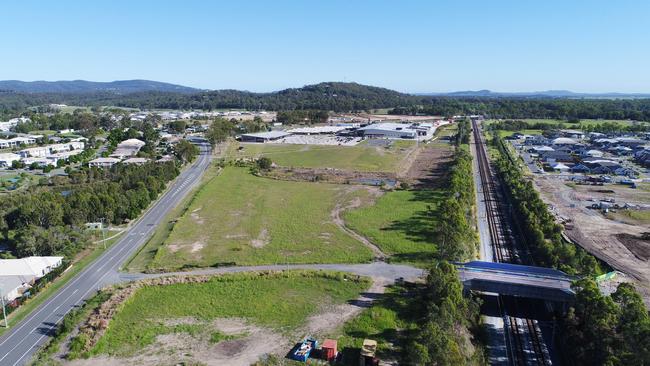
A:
x: 611, y: 221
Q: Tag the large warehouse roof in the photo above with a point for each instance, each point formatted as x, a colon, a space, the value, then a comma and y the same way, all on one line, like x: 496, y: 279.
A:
x: 267, y: 135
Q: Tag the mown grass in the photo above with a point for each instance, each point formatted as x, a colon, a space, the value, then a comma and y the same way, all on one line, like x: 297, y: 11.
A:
x: 281, y: 301
x: 238, y: 218
x: 401, y: 223
x: 360, y: 158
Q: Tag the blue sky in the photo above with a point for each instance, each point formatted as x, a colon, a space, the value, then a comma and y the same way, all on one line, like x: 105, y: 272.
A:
x: 411, y: 46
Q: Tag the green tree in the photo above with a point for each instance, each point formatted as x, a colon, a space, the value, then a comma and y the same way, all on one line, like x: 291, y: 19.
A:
x: 186, y: 151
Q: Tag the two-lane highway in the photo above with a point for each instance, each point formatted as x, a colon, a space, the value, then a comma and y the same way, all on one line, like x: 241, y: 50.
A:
x: 23, y: 339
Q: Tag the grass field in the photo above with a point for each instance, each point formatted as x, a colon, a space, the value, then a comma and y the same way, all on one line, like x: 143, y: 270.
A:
x: 280, y: 301
x: 386, y: 321
x: 241, y: 219
x: 361, y: 157
x: 400, y: 224
x: 146, y: 254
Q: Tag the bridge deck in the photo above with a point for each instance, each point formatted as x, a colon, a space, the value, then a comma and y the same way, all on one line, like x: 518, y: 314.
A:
x: 516, y: 280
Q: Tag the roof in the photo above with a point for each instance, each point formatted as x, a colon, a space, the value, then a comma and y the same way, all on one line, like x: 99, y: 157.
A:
x: 105, y: 160
x: 29, y: 266
x: 131, y: 143
x: 564, y: 141
x: 329, y: 343
x: 5, y: 156
x: 387, y: 126
x: 559, y: 166
x: 10, y: 283
x: 135, y: 161
x: 267, y: 135
x: 543, y: 148
x: 318, y: 129
x: 573, y: 132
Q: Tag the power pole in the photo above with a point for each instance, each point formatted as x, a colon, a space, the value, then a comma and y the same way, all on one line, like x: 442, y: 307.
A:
x: 103, y: 233
x: 4, y: 312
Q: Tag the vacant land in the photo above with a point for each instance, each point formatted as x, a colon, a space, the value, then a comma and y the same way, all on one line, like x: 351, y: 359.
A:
x: 616, y: 238
x: 386, y: 321
x: 238, y: 218
x: 361, y: 157
x: 231, y: 319
x: 401, y: 223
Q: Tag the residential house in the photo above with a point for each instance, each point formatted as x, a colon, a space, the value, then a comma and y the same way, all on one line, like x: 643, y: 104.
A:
x: 6, y: 159
x: 103, y: 162
x: 17, y: 275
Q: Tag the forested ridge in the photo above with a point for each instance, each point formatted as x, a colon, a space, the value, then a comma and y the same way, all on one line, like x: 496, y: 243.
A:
x: 343, y: 97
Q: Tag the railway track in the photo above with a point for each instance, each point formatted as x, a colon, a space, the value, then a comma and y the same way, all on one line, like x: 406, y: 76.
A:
x: 524, y: 341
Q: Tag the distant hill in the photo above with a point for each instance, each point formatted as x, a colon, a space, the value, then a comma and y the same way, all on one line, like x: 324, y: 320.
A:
x: 83, y: 86
x: 537, y: 94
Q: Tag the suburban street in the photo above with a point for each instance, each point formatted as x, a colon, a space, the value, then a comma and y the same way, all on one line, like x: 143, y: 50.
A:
x: 23, y: 339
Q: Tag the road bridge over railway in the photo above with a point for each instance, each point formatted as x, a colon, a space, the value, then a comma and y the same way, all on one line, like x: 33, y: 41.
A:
x: 516, y: 280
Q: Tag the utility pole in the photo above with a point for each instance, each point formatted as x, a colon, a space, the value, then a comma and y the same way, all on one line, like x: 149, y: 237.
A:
x: 4, y: 312
x: 103, y: 233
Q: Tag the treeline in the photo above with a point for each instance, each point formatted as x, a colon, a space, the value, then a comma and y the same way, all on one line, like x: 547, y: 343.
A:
x: 598, y: 329
x: 50, y: 220
x: 463, y: 134
x: 444, y: 336
x: 456, y: 235
x: 606, y: 330
x: 546, y: 108
x: 537, y: 225
x: 605, y: 127
x: 302, y: 116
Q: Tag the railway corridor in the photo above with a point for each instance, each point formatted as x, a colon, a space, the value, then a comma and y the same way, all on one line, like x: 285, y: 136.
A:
x: 524, y: 341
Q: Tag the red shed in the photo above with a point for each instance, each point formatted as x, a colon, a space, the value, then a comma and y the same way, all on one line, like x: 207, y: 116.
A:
x: 329, y: 349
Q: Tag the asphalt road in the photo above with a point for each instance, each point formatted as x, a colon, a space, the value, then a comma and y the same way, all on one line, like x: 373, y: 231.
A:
x: 23, y: 339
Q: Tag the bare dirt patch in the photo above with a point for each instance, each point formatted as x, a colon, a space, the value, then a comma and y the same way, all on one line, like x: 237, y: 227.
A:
x: 637, y: 245
x: 250, y: 343
x: 429, y: 166
x: 196, y: 217
x: 606, y: 239
x: 197, y: 246
x: 330, y: 318
x: 262, y: 239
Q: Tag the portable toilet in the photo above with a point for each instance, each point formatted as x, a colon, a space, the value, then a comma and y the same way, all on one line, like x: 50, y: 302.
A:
x: 328, y: 349
x: 368, y: 351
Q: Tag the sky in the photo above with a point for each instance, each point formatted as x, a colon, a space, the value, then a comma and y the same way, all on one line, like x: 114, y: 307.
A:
x: 410, y: 46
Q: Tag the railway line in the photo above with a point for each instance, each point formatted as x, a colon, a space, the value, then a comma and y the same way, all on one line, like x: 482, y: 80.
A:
x: 523, y: 336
